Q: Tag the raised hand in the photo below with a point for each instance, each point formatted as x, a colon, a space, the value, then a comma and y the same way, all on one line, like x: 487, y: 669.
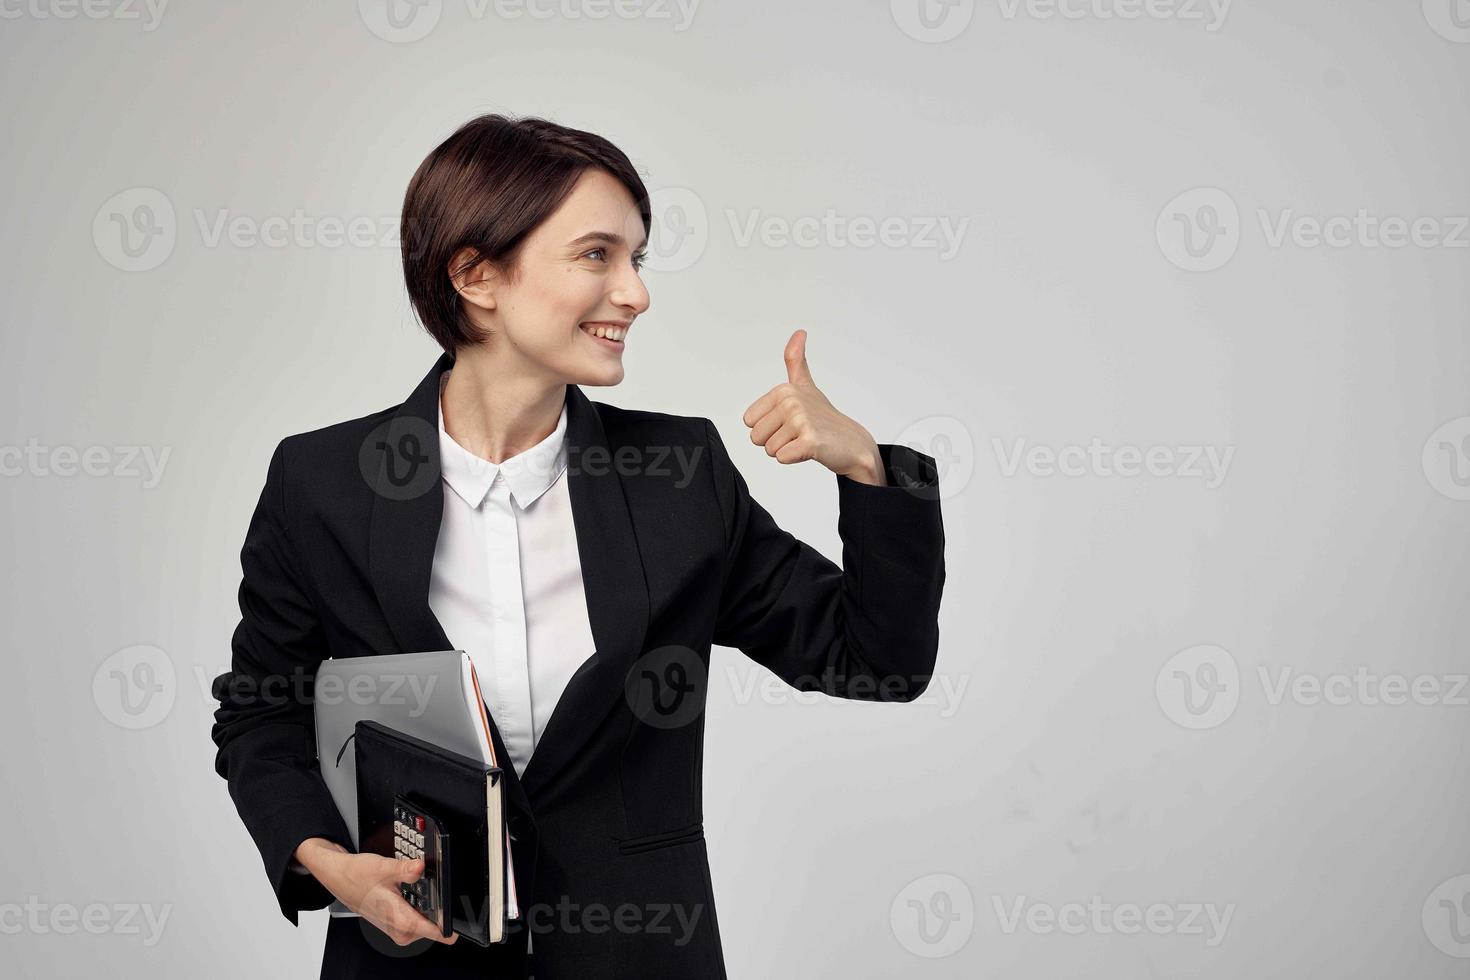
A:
x: 794, y: 421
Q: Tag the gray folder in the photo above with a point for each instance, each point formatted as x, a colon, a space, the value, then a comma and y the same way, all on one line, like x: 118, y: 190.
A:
x: 430, y: 696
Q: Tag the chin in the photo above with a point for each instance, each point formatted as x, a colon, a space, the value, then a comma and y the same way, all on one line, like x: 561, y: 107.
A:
x: 603, y: 376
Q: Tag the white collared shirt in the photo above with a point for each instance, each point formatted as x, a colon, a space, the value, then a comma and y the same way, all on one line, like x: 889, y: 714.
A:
x: 507, y: 580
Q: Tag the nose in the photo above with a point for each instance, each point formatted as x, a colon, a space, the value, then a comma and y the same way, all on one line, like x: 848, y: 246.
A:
x: 629, y: 293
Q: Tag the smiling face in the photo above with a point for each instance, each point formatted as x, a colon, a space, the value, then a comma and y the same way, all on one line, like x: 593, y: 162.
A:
x: 565, y: 317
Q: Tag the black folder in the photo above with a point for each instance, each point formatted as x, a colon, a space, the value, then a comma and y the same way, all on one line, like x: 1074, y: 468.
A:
x: 468, y: 797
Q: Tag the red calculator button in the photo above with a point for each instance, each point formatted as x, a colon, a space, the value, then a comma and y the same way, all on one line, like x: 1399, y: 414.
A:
x: 418, y: 823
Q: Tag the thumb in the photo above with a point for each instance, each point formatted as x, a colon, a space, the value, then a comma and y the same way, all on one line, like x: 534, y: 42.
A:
x: 797, y: 371
x: 408, y: 869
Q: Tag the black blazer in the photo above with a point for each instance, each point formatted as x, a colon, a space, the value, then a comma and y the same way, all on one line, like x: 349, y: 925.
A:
x: 607, y: 823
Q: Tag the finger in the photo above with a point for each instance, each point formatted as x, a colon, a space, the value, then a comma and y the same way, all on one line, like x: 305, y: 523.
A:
x: 386, y: 908
x: 764, y: 404
x: 796, y: 451
x: 397, y: 923
x: 425, y: 928
x: 407, y: 925
x: 797, y: 371
x: 408, y: 869
x: 785, y: 434
x: 767, y: 427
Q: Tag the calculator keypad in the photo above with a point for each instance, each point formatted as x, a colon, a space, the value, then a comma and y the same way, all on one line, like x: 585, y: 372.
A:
x: 410, y: 841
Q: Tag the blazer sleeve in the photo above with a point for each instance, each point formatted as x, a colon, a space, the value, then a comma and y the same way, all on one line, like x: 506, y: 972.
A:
x: 867, y: 631
x: 264, y: 726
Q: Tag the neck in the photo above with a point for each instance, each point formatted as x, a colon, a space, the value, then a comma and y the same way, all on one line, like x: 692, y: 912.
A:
x: 494, y: 413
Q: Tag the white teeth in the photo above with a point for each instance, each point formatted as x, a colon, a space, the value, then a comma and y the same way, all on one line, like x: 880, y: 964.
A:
x: 602, y: 330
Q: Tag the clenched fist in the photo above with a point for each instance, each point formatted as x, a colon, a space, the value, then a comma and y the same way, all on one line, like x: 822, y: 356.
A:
x: 796, y: 422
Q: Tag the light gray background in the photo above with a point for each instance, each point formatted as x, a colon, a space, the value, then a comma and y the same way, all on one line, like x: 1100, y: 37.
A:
x: 1059, y: 757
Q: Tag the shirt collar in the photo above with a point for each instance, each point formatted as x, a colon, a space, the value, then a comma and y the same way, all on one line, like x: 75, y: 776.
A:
x: 529, y: 474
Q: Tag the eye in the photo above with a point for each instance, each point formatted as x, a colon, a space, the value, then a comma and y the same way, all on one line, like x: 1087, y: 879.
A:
x: 600, y: 255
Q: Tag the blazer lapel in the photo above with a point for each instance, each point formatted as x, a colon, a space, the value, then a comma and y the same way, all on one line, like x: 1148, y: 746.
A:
x: 402, y: 464
x: 617, y: 592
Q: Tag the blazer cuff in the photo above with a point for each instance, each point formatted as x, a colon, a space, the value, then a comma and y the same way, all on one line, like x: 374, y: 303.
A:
x: 297, y: 890
x: 905, y: 469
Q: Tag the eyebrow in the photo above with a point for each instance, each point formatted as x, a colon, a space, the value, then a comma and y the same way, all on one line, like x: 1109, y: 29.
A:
x: 602, y: 237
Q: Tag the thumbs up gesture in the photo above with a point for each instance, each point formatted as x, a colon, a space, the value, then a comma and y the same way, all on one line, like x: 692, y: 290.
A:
x: 796, y: 422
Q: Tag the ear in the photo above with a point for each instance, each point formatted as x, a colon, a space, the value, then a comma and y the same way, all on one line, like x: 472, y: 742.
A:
x: 477, y: 282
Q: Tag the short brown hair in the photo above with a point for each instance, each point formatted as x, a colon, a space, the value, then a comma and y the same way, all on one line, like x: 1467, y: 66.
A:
x: 486, y: 188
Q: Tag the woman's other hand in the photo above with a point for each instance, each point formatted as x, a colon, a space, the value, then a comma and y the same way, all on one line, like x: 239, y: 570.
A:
x: 368, y: 885
x: 794, y: 421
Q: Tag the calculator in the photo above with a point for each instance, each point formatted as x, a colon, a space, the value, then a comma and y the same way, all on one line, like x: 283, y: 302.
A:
x: 418, y: 834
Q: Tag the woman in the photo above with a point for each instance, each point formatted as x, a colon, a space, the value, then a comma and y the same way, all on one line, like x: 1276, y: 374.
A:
x: 586, y: 556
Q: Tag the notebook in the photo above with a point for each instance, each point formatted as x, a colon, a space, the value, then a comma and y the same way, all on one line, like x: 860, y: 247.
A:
x: 434, y: 696
x: 468, y: 799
